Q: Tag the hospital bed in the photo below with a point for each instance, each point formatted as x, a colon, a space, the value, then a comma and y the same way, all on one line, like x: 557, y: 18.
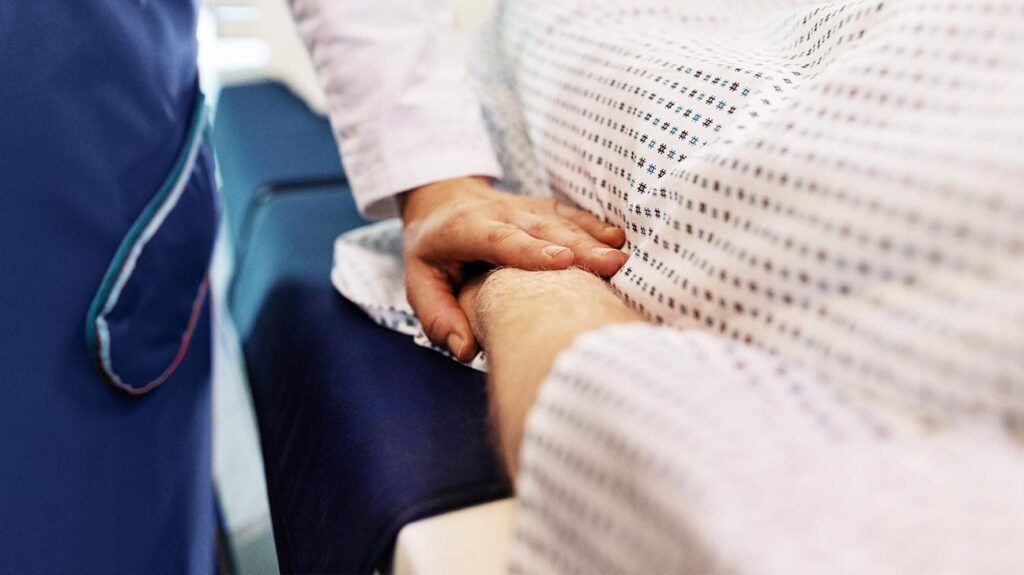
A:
x: 363, y: 433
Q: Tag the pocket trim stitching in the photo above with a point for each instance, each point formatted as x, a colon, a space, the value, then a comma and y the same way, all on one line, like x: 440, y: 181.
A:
x: 128, y: 254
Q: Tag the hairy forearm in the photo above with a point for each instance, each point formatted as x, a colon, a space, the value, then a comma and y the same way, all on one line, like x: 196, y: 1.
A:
x: 524, y: 320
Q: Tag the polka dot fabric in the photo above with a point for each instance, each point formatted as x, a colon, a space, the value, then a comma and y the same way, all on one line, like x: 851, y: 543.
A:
x: 841, y: 184
x: 824, y: 208
x: 652, y: 450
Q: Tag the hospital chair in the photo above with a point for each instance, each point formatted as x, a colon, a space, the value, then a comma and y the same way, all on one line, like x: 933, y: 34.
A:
x: 366, y: 437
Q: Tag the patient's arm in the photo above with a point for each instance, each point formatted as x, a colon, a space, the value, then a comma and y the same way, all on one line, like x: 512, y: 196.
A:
x: 523, y: 320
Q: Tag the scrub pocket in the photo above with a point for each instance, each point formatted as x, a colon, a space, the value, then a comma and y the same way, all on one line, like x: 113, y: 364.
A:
x: 142, y: 319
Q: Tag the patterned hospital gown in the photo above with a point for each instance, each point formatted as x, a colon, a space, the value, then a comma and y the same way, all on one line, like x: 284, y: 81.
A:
x: 824, y: 206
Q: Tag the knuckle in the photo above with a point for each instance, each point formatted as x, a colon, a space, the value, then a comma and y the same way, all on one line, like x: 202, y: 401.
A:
x: 586, y: 215
x: 574, y: 227
x: 582, y: 217
x: 432, y: 327
x: 540, y: 227
x: 448, y: 235
x: 501, y: 236
x: 536, y: 206
x: 458, y: 216
x: 525, y: 249
x: 582, y: 246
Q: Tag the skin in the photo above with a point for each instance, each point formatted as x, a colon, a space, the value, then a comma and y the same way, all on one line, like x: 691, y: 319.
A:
x: 452, y: 224
x: 524, y: 320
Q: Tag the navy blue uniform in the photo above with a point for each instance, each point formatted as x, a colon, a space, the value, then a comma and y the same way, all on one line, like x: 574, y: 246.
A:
x: 107, y: 219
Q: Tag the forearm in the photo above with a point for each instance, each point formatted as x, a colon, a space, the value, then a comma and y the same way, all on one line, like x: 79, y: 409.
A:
x: 524, y: 320
x: 399, y: 98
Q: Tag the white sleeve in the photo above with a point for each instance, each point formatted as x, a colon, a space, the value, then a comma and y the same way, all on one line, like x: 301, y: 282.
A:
x: 399, y: 100
x: 652, y: 450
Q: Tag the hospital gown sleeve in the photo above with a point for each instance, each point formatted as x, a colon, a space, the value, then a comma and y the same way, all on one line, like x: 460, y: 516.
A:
x: 656, y: 450
x: 400, y: 103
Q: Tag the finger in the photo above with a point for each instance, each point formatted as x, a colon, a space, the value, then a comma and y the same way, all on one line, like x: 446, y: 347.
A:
x: 590, y: 254
x: 601, y: 231
x: 504, y: 244
x: 430, y: 293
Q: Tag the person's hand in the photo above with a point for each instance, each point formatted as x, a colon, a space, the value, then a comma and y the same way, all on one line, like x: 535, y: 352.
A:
x: 452, y: 223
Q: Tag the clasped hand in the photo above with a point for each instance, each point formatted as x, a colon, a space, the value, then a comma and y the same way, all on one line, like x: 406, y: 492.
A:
x: 452, y: 223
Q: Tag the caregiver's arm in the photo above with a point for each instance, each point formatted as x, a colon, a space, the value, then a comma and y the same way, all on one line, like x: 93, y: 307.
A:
x: 410, y: 127
x: 524, y: 320
x: 395, y: 78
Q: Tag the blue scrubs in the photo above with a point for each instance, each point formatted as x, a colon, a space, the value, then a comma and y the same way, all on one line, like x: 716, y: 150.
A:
x: 107, y: 220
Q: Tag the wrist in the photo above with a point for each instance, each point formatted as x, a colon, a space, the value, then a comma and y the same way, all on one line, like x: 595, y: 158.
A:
x: 554, y: 305
x: 525, y: 320
x: 420, y: 201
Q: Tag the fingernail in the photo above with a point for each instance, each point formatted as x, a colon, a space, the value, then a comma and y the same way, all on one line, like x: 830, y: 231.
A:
x: 610, y: 229
x: 602, y: 252
x: 553, y: 251
x: 455, y: 344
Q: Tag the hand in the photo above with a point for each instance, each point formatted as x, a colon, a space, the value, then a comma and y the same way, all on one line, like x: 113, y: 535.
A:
x: 451, y: 223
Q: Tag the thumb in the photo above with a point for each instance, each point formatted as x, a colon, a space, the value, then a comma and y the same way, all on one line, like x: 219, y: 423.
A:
x: 430, y: 293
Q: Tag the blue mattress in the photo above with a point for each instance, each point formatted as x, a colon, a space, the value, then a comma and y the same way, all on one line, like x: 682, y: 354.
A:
x: 362, y: 431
